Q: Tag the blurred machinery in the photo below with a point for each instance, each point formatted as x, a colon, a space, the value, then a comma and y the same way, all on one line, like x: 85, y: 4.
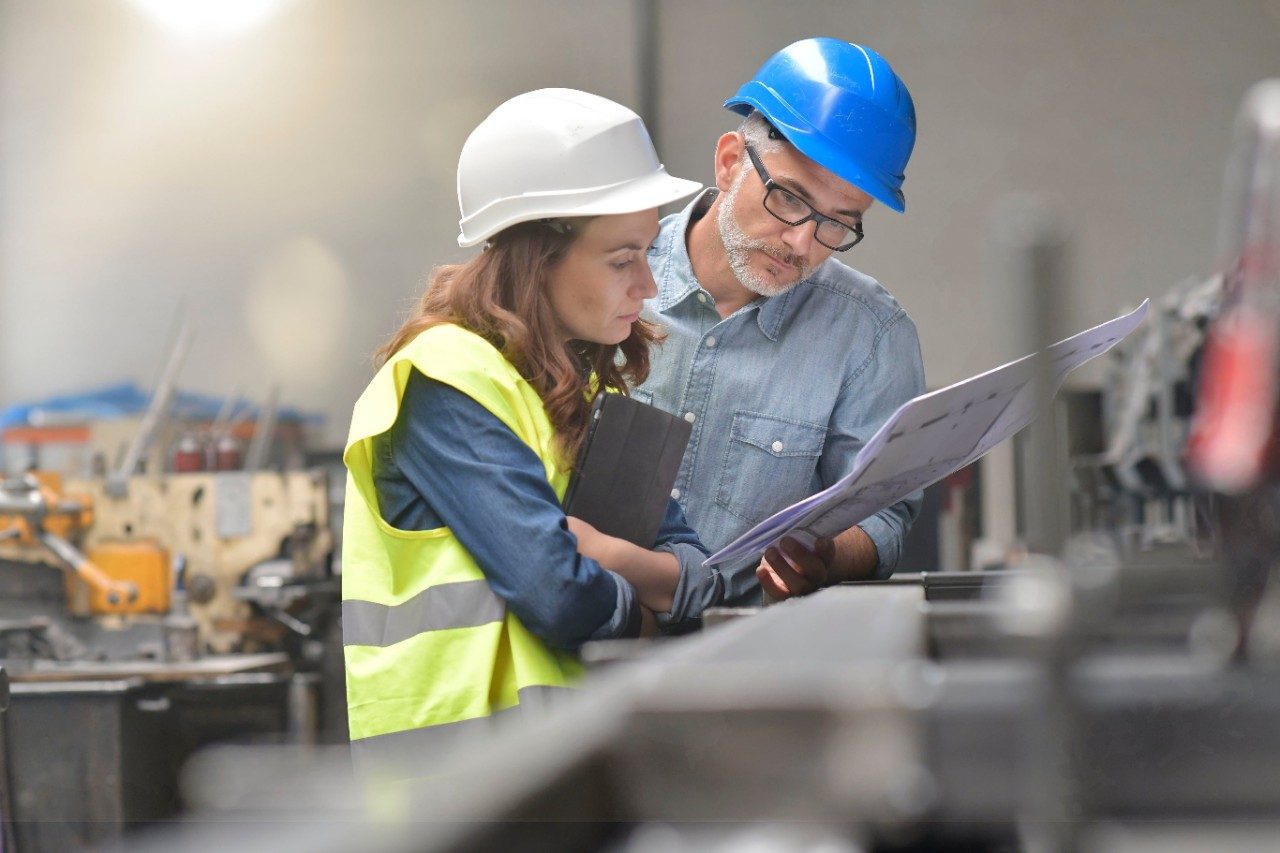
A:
x: 145, y: 613
x: 1137, y: 482
x: 1109, y: 695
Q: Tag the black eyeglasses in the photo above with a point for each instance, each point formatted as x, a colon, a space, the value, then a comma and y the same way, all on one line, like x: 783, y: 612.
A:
x: 793, y: 210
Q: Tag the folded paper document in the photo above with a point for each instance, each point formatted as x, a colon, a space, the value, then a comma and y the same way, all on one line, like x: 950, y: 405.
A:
x: 929, y: 437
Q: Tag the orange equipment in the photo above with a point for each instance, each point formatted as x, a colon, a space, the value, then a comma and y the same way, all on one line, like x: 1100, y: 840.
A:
x: 34, y: 512
x: 144, y: 564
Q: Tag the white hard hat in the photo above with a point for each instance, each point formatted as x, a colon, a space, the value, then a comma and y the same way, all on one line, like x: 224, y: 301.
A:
x: 557, y: 153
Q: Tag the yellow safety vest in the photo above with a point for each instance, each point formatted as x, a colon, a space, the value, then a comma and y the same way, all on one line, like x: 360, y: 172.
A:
x: 428, y: 645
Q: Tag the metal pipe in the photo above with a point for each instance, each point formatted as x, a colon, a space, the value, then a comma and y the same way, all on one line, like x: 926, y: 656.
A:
x: 1030, y: 250
x: 157, y: 411
x: 647, y: 66
x: 117, y: 592
x: 263, y: 431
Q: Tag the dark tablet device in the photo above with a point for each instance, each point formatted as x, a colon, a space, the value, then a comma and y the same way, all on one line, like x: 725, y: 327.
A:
x: 626, y: 468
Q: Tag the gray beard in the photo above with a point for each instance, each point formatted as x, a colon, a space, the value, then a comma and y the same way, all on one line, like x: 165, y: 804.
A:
x: 738, y: 247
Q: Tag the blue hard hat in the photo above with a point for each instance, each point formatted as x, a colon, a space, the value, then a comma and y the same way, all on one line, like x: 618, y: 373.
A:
x: 843, y: 107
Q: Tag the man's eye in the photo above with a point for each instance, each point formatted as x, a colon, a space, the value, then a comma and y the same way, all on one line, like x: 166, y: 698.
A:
x: 791, y: 201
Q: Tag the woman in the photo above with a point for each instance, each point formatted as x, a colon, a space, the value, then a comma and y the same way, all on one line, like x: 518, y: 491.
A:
x: 465, y: 588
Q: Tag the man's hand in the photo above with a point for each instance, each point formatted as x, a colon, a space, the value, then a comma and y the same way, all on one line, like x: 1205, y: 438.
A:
x: 793, y: 569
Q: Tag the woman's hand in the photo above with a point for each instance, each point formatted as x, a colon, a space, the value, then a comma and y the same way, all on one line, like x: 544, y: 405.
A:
x: 648, y: 622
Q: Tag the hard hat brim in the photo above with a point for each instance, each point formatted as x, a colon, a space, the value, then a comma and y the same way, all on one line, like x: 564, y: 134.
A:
x: 814, y: 145
x: 652, y: 190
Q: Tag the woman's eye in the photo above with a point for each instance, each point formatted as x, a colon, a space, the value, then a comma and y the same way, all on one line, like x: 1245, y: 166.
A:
x: 621, y: 265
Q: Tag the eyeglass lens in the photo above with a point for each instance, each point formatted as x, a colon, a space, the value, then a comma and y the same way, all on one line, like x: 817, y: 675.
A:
x: 793, y: 210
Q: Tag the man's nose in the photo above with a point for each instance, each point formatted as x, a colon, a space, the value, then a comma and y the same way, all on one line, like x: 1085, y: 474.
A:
x: 799, y: 238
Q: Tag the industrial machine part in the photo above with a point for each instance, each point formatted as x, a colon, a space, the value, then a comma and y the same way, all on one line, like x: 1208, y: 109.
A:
x: 6, y: 806
x: 1138, y: 484
x: 216, y: 524
x: 143, y: 565
x: 162, y: 637
x: 1224, y: 332
x: 1031, y: 243
x: 223, y: 524
x: 117, y: 483
x: 916, y: 714
x: 1235, y: 443
x: 95, y: 756
x: 1233, y: 447
x: 256, y: 457
x: 32, y: 512
x: 113, y: 672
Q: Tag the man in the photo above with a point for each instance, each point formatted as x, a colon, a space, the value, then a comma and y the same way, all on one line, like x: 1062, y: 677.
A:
x: 784, y: 359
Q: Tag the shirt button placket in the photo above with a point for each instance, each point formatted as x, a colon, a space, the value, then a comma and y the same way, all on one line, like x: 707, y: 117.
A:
x: 697, y: 399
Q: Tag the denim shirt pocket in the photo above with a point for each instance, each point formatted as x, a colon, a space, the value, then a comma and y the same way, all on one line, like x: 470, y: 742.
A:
x: 769, y: 464
x: 642, y: 396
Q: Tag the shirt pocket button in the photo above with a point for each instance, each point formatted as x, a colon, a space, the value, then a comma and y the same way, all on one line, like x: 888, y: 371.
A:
x: 777, y: 447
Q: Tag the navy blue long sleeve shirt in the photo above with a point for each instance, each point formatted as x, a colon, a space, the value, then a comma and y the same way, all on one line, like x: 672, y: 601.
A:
x: 449, y: 462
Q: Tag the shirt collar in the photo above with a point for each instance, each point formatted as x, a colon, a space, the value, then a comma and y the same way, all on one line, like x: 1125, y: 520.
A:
x: 676, y: 281
x: 772, y: 312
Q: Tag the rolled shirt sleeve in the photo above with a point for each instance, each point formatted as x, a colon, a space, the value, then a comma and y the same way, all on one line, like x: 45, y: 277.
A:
x: 700, y: 586
x: 624, y: 623
x: 887, y: 530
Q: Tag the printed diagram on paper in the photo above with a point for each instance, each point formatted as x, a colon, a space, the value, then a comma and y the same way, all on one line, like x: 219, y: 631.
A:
x: 931, y: 436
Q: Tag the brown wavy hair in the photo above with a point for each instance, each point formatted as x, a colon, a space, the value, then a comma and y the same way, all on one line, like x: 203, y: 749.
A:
x: 501, y: 295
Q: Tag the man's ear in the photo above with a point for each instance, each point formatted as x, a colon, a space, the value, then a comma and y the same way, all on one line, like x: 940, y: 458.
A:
x: 731, y: 155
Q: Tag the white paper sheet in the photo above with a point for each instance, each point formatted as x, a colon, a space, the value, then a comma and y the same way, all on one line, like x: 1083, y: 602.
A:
x: 931, y: 436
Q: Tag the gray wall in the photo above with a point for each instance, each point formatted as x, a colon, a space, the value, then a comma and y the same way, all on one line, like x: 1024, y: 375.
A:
x: 1121, y: 112
x: 294, y: 184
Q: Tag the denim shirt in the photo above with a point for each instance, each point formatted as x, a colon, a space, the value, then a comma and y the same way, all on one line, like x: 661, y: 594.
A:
x: 782, y: 394
x: 449, y: 462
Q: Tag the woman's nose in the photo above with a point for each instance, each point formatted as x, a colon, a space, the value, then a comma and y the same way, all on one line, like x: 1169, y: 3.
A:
x: 647, y: 287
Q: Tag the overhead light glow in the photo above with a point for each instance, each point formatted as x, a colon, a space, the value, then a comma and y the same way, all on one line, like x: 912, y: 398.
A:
x: 208, y: 17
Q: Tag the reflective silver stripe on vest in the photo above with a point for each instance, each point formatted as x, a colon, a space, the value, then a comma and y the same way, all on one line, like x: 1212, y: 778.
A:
x: 449, y: 605
x: 418, y: 752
